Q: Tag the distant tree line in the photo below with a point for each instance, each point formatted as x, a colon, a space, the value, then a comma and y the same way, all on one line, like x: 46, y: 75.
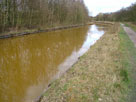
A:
x: 30, y: 14
x: 125, y: 14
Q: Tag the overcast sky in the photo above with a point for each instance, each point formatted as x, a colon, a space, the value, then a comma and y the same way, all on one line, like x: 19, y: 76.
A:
x: 103, y: 6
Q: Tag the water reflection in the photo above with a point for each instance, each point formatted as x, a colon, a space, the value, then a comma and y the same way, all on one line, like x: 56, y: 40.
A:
x: 92, y: 36
x: 29, y: 63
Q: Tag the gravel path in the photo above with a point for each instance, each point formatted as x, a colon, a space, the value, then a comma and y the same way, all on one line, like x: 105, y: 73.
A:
x: 131, y: 34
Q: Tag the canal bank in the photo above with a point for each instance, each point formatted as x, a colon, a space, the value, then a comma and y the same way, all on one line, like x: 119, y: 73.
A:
x: 13, y: 33
x: 34, y: 31
x: 96, y: 77
x: 31, y: 64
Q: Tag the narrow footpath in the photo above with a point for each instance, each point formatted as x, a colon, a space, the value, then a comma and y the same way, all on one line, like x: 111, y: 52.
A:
x: 131, y: 34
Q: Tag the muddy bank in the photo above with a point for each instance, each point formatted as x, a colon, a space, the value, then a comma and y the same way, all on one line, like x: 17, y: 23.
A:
x: 4, y: 36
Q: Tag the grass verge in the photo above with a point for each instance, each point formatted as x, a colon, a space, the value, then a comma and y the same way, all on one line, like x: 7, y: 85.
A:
x: 128, y: 59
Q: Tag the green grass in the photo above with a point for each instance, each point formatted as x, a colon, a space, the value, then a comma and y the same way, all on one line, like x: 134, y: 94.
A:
x: 131, y: 26
x: 128, y: 59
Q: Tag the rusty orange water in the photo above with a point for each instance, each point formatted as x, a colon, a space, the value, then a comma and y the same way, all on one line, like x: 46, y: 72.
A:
x: 29, y: 63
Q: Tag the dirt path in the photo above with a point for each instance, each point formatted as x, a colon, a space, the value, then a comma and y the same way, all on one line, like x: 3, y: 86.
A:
x: 131, y: 34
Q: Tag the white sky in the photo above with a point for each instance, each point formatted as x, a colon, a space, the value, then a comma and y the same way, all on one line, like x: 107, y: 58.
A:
x: 103, y: 6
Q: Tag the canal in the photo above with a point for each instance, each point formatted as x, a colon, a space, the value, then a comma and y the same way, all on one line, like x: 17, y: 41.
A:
x: 29, y: 63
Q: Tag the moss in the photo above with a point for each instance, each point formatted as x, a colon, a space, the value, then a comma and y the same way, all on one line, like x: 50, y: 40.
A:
x: 124, y: 75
